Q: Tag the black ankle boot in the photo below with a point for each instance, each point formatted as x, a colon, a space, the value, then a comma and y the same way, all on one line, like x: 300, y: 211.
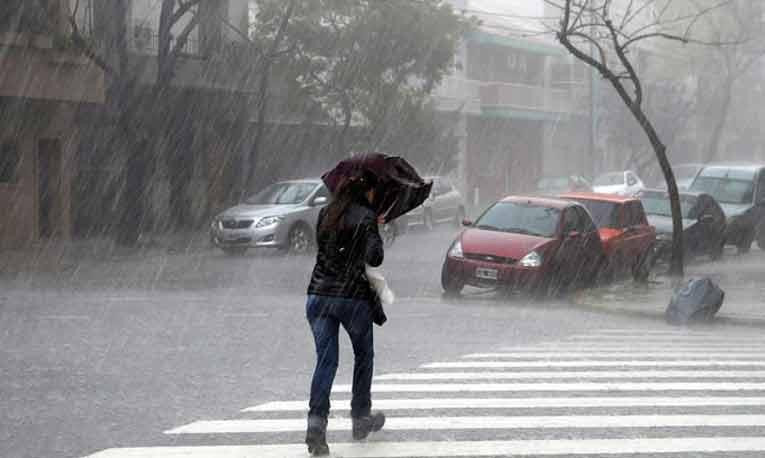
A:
x: 316, y: 436
x: 362, y: 426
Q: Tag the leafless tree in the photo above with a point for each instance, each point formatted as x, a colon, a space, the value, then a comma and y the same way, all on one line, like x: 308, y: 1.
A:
x: 606, y: 34
x: 739, y: 22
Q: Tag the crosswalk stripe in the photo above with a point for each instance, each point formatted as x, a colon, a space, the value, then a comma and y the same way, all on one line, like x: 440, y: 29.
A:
x: 433, y: 449
x: 479, y: 422
x: 570, y: 374
x: 584, y: 346
x: 656, y: 339
x: 621, y: 386
x: 522, y: 403
x: 593, y: 363
x: 672, y: 331
x: 613, y: 354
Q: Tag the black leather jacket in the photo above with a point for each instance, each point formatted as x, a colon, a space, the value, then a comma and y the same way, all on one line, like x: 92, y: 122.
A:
x: 342, y: 253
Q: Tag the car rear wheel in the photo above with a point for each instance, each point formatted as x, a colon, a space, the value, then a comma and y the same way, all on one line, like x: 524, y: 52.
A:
x: 745, y: 244
x: 299, y: 240
x: 718, y: 250
x: 643, y: 265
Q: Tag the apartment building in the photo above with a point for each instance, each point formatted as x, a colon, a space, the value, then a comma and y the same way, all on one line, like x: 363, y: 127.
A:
x: 523, y: 105
x: 43, y: 82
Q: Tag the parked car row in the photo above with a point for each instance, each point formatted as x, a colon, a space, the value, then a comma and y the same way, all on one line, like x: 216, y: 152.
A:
x: 545, y: 245
x: 283, y: 216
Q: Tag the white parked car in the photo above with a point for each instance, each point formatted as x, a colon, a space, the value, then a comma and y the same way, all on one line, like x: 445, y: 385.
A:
x: 445, y: 204
x: 625, y: 183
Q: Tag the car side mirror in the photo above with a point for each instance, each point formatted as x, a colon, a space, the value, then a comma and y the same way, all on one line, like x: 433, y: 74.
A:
x: 467, y: 223
x: 320, y: 201
x: 706, y: 219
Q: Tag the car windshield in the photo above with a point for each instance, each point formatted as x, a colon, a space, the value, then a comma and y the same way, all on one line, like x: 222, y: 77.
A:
x: 658, y: 204
x: 725, y: 190
x: 282, y: 194
x: 520, y: 218
x: 609, y: 179
x: 604, y: 214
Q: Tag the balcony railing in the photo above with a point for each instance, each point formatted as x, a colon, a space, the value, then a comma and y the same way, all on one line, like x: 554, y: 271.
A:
x: 145, y: 40
x: 526, y: 97
x: 508, y: 95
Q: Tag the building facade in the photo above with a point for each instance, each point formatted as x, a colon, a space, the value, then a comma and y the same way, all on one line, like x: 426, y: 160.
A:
x: 522, y: 105
x: 43, y: 83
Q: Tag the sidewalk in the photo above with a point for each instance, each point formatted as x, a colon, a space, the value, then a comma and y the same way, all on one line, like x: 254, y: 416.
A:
x: 742, y: 277
x: 61, y: 255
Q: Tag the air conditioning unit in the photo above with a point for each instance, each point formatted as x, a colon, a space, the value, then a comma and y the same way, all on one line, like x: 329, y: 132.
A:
x: 142, y: 37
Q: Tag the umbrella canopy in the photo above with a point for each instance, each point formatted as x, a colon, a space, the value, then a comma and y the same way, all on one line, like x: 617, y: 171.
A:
x: 400, y: 188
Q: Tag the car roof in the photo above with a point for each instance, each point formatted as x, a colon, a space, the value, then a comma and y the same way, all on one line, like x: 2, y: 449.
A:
x: 680, y: 193
x: 540, y: 201
x: 741, y: 165
x: 303, y: 180
x: 613, y: 198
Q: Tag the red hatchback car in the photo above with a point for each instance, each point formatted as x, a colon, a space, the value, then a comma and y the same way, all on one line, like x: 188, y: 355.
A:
x: 533, y: 244
x: 627, y: 237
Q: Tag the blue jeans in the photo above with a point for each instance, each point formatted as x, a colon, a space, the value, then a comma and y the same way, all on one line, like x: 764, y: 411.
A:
x: 325, y: 315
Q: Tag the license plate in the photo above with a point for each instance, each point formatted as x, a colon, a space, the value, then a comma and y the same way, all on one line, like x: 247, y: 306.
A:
x: 233, y: 235
x: 486, y: 274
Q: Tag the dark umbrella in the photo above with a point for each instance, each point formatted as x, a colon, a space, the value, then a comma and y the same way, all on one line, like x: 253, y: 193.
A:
x: 400, y: 188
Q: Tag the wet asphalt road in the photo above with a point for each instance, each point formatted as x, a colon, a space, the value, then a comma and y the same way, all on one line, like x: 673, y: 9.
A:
x: 111, y: 351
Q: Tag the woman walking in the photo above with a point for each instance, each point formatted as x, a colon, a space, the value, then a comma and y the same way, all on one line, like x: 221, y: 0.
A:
x: 340, y: 294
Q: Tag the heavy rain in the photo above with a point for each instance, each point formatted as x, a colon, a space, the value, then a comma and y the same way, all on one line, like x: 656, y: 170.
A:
x: 382, y: 228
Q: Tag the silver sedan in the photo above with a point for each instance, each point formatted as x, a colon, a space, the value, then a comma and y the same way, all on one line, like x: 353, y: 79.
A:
x: 282, y: 216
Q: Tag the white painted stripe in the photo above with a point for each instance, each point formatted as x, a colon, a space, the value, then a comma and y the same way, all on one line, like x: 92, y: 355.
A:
x: 579, y: 386
x: 591, y: 363
x: 479, y: 422
x: 612, y: 354
x: 569, y: 374
x: 567, y: 447
x: 630, y: 348
x: 671, y: 331
x: 522, y: 403
x: 679, y: 339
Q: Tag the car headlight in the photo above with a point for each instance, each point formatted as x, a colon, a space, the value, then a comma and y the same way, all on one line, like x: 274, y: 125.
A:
x: 456, y: 250
x: 532, y: 259
x: 269, y: 221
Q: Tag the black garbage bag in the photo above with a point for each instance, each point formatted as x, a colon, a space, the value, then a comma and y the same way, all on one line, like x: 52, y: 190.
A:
x: 697, y: 301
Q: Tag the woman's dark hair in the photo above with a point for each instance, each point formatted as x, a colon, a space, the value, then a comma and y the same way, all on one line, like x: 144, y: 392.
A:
x: 352, y: 190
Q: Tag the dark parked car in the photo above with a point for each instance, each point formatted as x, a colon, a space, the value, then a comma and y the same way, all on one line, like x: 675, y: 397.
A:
x: 445, y: 205
x: 740, y: 191
x: 703, y: 223
x: 534, y: 244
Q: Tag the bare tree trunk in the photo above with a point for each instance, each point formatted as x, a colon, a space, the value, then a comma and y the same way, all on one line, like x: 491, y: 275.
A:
x: 343, y: 134
x: 676, y: 266
x: 251, y: 161
x: 634, y: 103
x: 713, y: 149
